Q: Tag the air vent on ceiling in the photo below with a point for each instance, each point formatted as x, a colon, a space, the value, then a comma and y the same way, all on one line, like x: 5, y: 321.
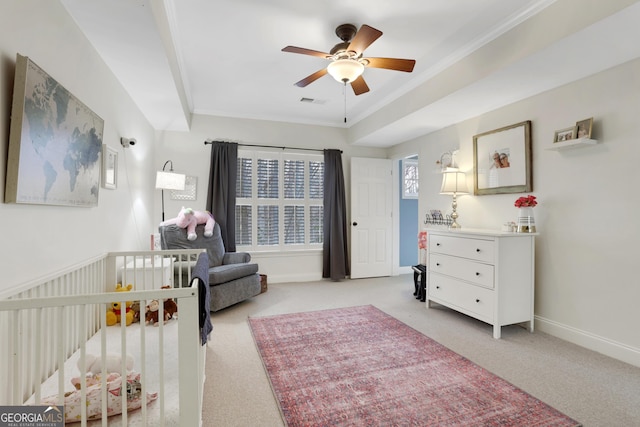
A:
x: 312, y: 101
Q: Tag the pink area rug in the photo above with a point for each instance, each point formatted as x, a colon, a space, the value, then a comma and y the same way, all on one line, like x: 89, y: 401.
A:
x: 358, y: 366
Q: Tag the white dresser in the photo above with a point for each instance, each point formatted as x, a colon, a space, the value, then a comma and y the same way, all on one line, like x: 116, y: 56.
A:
x: 484, y: 274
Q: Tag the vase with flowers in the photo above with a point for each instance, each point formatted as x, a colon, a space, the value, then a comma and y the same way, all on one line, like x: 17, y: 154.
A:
x: 526, y: 222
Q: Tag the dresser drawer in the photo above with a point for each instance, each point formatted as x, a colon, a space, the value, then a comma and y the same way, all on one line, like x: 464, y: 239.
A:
x: 471, y: 248
x: 475, y: 300
x: 461, y: 268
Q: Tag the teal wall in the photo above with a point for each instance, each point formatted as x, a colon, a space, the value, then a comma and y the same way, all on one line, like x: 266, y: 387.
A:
x: 408, y: 228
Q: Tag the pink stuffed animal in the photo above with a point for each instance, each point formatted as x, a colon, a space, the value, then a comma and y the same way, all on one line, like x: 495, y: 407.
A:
x: 188, y: 218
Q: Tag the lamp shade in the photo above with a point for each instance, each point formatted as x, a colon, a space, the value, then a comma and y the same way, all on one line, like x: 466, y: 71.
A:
x: 170, y: 181
x: 345, y: 70
x: 454, y: 182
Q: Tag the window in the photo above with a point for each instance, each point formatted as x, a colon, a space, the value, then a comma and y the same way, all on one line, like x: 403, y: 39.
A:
x: 279, y: 201
x: 409, y: 178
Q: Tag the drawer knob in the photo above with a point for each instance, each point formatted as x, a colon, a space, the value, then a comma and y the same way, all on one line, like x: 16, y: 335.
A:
x: 477, y: 300
x: 477, y: 250
x: 437, y: 287
x: 477, y: 273
x: 437, y: 264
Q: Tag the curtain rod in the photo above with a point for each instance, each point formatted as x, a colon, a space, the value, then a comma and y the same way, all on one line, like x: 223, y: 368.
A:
x: 271, y: 146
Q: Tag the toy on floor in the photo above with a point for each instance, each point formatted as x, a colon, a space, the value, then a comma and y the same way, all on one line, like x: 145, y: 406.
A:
x: 151, y: 316
x: 115, y: 312
x: 189, y: 218
x: 135, y: 308
x: 170, y: 308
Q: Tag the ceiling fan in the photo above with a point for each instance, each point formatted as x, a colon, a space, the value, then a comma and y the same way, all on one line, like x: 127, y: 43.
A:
x: 347, y: 63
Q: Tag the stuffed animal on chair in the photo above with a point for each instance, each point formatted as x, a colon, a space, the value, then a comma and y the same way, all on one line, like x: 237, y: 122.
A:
x: 189, y: 218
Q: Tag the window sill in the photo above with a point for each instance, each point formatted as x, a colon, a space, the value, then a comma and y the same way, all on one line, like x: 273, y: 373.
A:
x: 284, y: 253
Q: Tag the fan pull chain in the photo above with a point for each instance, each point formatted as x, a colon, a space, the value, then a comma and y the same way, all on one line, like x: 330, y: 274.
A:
x: 344, y: 91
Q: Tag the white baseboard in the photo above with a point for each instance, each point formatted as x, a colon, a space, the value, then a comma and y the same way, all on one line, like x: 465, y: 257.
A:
x: 588, y: 340
x: 292, y: 278
x: 405, y: 270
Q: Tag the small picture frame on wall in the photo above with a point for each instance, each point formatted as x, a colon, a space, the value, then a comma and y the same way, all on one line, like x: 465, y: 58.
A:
x: 189, y: 192
x: 564, y: 134
x: 583, y: 128
x: 109, y: 167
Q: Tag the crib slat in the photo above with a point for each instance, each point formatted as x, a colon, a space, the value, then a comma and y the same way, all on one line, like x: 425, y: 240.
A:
x: 83, y: 378
x: 143, y: 360
x: 38, y: 351
x: 190, y: 362
x: 103, y: 355
x: 123, y: 364
x: 60, y: 356
x: 14, y: 372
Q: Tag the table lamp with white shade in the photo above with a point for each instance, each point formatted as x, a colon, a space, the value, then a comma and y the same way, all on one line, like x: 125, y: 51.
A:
x: 454, y: 182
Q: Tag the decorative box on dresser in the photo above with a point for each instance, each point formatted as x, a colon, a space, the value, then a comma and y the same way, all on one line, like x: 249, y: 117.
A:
x: 485, y: 274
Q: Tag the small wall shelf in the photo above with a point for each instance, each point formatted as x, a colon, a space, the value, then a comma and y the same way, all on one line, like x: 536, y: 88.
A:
x: 572, y: 143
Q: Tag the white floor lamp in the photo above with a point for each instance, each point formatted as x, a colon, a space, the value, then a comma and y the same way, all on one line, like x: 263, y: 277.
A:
x: 169, y: 181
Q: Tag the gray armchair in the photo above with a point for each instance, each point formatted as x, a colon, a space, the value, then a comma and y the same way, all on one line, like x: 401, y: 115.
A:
x: 232, y: 277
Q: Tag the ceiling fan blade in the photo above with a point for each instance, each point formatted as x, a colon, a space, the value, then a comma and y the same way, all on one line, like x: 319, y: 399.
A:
x: 396, y: 64
x: 312, y: 78
x: 363, y: 39
x: 302, y: 50
x: 359, y: 86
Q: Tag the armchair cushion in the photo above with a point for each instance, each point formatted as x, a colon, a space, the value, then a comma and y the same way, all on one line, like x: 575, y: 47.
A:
x: 226, y: 273
x: 236, y: 258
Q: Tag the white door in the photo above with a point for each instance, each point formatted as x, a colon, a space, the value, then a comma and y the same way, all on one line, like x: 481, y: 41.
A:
x: 371, y: 220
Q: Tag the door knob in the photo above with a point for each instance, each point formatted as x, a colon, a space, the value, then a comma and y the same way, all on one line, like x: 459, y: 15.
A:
x: 355, y: 223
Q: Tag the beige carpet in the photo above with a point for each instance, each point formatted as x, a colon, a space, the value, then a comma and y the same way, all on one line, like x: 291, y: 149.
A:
x: 593, y: 389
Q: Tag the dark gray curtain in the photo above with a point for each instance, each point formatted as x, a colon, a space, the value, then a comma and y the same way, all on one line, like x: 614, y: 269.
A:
x: 335, y: 255
x: 221, y: 197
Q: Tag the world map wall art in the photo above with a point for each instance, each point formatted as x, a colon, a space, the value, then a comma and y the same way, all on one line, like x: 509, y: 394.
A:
x: 55, y: 143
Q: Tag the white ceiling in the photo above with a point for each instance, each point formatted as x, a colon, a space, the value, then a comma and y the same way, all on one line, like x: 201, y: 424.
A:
x: 224, y: 58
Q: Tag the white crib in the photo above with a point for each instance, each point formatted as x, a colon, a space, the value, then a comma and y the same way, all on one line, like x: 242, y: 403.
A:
x: 49, y: 326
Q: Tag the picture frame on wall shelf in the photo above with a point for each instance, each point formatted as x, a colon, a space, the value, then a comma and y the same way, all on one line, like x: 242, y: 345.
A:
x: 565, y: 134
x: 584, y: 128
x: 109, y: 167
x: 502, y: 160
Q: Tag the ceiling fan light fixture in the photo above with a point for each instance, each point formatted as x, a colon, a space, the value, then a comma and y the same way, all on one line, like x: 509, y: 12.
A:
x: 345, y: 70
